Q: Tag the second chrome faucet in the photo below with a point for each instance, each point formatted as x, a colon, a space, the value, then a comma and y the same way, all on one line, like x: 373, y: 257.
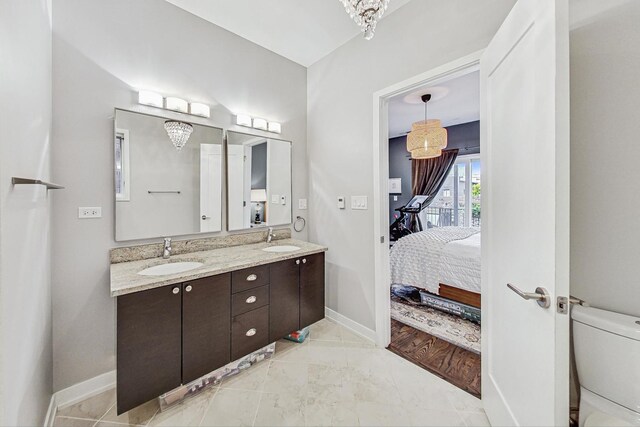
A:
x: 166, y: 251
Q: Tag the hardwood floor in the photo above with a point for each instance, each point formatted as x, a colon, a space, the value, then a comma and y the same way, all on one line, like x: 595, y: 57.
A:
x: 456, y: 365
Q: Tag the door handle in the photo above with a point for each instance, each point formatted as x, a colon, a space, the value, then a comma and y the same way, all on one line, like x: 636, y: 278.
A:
x: 541, y: 296
x: 204, y: 217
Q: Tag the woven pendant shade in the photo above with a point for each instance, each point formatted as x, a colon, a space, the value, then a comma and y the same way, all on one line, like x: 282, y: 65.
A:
x: 427, y: 138
x: 426, y: 153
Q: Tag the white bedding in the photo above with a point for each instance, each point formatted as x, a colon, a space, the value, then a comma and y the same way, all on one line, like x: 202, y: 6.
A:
x: 449, y: 255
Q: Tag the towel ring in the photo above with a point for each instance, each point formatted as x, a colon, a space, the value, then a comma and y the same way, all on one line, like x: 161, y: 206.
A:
x: 299, y: 220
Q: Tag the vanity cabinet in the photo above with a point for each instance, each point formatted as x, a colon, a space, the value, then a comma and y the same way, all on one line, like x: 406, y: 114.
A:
x: 170, y: 336
x: 296, y: 294
x: 174, y: 334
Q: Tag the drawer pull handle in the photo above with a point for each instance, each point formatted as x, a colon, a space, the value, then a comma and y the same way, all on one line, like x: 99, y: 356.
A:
x: 188, y: 288
x: 251, y: 332
x: 176, y: 291
x: 297, y: 262
x: 252, y: 299
x: 304, y: 261
x: 252, y: 278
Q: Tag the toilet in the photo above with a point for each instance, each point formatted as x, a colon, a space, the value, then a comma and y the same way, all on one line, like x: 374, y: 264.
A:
x: 607, y: 353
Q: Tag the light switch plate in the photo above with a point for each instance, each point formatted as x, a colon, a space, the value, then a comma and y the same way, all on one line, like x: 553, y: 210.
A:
x: 359, y: 202
x: 275, y: 199
x: 283, y: 200
x: 302, y: 204
x: 341, y: 202
x: 89, y: 212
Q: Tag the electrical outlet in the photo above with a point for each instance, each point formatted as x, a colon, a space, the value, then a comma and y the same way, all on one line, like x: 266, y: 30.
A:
x: 95, y: 212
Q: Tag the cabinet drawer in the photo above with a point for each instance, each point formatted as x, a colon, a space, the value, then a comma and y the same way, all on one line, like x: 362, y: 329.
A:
x: 249, y: 332
x: 249, y: 278
x: 242, y: 302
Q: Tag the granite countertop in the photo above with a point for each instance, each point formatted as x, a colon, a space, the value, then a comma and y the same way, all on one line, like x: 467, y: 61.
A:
x: 125, y: 280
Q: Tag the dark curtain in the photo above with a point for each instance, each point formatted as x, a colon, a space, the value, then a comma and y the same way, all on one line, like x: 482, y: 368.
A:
x: 428, y: 175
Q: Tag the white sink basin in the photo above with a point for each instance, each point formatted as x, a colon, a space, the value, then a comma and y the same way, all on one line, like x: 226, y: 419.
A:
x: 170, y: 268
x: 282, y: 248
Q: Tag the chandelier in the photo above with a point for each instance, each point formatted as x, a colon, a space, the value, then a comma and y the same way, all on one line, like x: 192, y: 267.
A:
x: 179, y: 132
x: 427, y: 138
x: 366, y: 13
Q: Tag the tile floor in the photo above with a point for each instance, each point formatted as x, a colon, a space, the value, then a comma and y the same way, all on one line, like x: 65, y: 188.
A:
x: 335, y: 378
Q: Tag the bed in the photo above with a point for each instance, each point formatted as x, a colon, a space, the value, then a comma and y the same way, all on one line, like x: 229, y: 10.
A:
x: 444, y: 261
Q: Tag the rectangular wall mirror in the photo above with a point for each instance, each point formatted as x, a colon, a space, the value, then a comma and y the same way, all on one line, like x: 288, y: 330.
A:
x: 259, y: 181
x: 160, y: 190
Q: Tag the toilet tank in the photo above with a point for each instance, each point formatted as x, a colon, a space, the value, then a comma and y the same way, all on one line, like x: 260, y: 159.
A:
x: 607, y: 352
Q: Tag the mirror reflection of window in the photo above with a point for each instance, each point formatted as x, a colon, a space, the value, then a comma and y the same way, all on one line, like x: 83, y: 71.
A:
x: 259, y: 181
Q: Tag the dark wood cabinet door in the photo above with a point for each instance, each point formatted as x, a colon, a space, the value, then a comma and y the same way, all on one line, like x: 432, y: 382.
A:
x: 284, y: 298
x: 148, y: 345
x: 206, y: 325
x: 311, y: 289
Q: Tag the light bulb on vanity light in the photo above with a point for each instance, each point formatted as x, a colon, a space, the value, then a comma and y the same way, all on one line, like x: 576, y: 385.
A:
x: 198, y: 109
x: 260, y: 124
x: 243, y: 120
x: 146, y: 97
x: 176, y: 104
x: 275, y: 127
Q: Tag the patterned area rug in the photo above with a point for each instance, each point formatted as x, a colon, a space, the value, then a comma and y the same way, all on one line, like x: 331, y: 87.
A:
x: 453, y: 329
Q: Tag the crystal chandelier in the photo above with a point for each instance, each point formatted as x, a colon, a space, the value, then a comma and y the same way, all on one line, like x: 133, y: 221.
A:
x: 179, y: 132
x: 366, y: 13
x: 427, y: 138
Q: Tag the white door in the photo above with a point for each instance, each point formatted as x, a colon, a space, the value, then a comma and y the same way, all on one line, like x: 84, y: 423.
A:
x: 525, y: 216
x: 237, y: 183
x: 210, y: 187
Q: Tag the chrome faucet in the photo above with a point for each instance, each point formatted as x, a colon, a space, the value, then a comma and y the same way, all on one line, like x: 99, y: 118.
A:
x: 166, y: 252
x: 270, y: 235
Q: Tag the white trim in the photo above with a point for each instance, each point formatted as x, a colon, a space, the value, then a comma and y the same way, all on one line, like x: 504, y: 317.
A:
x: 84, y: 390
x: 380, y: 146
x: 51, y: 412
x: 352, y: 325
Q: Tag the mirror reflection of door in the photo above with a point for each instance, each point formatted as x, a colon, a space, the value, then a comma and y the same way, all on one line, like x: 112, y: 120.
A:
x: 259, y: 181
x: 210, y: 187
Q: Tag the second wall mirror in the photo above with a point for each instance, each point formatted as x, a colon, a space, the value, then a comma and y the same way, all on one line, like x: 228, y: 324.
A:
x: 258, y: 181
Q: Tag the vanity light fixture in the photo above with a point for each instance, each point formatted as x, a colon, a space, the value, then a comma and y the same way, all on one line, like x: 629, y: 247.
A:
x: 179, y: 132
x: 257, y: 123
x: 152, y: 99
x: 275, y: 127
x: 198, y: 109
x: 260, y: 124
x: 243, y: 120
x: 176, y: 104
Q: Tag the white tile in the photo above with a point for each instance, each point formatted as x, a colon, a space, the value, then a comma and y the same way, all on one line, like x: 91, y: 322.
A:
x: 280, y: 410
x: 92, y: 408
x: 419, y: 417
x: 464, y: 402
x: 473, y: 419
x: 325, y: 330
x: 286, y: 378
x: 188, y: 413
x: 376, y: 414
x: 232, y: 408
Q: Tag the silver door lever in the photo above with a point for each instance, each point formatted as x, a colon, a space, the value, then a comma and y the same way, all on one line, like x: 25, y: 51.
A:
x: 541, y: 296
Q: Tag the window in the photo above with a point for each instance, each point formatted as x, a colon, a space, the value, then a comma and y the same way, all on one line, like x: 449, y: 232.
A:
x: 122, y: 181
x: 458, y: 201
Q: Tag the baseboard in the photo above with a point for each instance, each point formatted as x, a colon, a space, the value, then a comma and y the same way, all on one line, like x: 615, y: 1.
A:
x: 352, y: 325
x: 51, y: 412
x: 81, y: 391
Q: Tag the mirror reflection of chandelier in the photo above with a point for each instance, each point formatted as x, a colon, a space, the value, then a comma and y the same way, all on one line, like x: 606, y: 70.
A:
x: 366, y: 13
x: 179, y: 132
x: 427, y: 138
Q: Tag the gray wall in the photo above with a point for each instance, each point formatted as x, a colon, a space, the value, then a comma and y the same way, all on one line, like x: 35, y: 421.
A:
x: 25, y: 236
x: 605, y: 200
x: 340, y: 127
x: 259, y: 166
x: 102, y: 53
x: 465, y: 137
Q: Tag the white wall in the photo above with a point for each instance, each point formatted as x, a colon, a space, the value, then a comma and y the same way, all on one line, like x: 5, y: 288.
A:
x: 25, y: 244
x: 102, y: 52
x: 416, y: 38
x: 605, y: 154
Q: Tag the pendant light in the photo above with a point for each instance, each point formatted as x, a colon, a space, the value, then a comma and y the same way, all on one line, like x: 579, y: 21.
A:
x: 427, y: 138
x: 179, y: 132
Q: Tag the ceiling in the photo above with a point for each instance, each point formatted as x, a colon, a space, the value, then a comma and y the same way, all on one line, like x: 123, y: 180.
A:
x: 454, y: 101
x: 303, y: 31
